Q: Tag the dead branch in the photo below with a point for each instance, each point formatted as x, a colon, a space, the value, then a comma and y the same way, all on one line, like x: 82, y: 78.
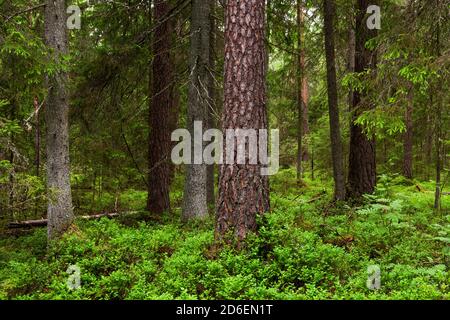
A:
x: 43, y: 222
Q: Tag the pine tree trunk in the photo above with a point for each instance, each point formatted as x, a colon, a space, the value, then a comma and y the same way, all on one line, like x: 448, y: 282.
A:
x: 408, y: 138
x: 362, y: 163
x: 335, y: 131
x: 195, y: 191
x: 159, y: 111
x: 60, y: 212
x: 243, y: 191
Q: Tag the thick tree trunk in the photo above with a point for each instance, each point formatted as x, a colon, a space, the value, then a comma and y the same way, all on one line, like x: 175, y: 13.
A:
x: 195, y: 190
x: 362, y: 163
x: 60, y: 212
x: 243, y: 191
x: 408, y: 138
x: 159, y: 111
x: 335, y: 131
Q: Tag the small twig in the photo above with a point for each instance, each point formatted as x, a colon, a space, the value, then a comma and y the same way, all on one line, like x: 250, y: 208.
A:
x: 134, y: 160
x: 36, y: 111
x: 24, y: 11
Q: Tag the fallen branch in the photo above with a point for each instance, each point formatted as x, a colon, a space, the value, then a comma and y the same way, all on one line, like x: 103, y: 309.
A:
x: 316, y: 197
x: 420, y: 188
x: 43, y: 222
x: 27, y: 224
x: 101, y: 215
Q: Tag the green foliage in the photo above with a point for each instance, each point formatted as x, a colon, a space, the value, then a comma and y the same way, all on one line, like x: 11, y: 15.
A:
x: 303, y: 250
x: 379, y: 123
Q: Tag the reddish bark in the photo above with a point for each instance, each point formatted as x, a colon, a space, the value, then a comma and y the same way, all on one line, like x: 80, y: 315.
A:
x: 243, y: 191
x: 161, y: 104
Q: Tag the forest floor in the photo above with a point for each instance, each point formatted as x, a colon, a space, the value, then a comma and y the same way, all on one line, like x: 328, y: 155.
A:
x: 307, y: 248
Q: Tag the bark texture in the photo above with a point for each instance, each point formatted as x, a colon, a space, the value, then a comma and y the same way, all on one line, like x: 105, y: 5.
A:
x: 195, y: 191
x: 335, y: 131
x: 362, y: 164
x: 159, y: 111
x: 243, y: 191
x: 60, y: 211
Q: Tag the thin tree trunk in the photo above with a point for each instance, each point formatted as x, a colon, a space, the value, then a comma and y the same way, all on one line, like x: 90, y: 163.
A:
x: 429, y: 143
x: 60, y: 212
x: 350, y: 69
x: 37, y: 146
x: 408, y: 137
x: 438, y: 121
x: 302, y: 92
x: 437, y: 196
x: 335, y: 131
x: 210, y: 182
x: 351, y: 61
x: 11, y: 198
x: 312, y: 160
x: 37, y: 138
x: 159, y: 111
x: 243, y: 191
x: 195, y: 191
x: 362, y: 163
x: 178, y: 59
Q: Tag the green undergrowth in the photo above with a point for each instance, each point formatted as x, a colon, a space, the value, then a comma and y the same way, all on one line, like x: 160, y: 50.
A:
x: 307, y: 248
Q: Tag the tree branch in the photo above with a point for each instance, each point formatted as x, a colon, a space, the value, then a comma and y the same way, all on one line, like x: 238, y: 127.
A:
x: 25, y: 11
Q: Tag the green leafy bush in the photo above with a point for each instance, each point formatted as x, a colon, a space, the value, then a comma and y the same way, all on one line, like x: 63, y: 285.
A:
x: 306, y: 248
